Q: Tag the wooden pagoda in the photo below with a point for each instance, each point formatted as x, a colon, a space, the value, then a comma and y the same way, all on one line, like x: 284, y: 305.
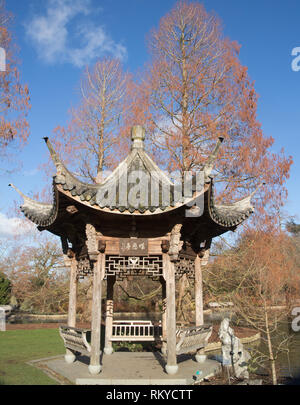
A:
x: 112, y: 238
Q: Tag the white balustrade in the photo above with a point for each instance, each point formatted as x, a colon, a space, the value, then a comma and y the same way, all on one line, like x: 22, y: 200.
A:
x: 136, y: 331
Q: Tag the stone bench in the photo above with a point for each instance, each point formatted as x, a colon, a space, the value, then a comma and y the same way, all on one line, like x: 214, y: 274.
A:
x: 76, y: 339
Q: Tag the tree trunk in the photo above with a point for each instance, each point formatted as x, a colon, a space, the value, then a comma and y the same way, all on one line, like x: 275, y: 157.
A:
x: 270, y: 348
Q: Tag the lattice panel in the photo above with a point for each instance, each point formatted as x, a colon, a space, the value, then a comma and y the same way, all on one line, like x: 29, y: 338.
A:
x: 84, y: 268
x: 185, y: 266
x: 123, y: 266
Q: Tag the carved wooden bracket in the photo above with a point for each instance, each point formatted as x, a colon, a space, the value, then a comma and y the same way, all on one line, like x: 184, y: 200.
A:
x: 70, y: 254
x: 71, y: 209
x: 175, y: 242
x: 101, y: 245
x: 91, y: 242
x: 165, y: 246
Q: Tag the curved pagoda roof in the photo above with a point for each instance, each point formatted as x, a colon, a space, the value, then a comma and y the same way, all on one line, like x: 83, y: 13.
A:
x: 70, y: 195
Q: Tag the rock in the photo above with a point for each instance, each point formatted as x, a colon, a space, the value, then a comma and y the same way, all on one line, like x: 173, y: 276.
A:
x: 233, y: 352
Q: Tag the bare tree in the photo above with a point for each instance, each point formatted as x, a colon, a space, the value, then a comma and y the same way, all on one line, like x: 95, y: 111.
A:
x: 93, y: 140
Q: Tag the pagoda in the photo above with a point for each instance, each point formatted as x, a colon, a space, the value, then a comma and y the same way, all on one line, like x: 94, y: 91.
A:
x: 136, y: 222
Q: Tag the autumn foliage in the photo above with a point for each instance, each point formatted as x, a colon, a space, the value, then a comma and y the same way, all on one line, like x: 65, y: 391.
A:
x: 260, y: 276
x: 260, y: 262
x: 192, y: 91
x: 14, y: 97
x: 195, y: 90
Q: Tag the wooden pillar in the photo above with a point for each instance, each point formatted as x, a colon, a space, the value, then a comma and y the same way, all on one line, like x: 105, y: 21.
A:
x: 72, y: 293
x: 199, y: 318
x: 72, y: 262
x: 171, y: 366
x: 164, y: 316
x: 95, y: 367
x: 108, y: 349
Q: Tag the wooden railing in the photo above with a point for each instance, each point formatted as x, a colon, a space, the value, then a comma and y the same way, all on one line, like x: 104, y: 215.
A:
x: 135, y: 331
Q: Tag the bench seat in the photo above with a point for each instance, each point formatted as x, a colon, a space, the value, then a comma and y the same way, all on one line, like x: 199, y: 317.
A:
x: 188, y: 339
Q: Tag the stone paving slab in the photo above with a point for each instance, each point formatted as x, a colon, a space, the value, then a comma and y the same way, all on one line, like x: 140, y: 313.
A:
x: 131, y: 368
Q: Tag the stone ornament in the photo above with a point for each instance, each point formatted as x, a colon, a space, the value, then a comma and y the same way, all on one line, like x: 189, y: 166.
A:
x: 233, y: 353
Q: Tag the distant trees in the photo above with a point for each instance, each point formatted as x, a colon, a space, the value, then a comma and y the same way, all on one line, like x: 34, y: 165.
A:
x: 39, y: 282
x: 256, y: 275
x: 5, y: 289
x: 14, y: 96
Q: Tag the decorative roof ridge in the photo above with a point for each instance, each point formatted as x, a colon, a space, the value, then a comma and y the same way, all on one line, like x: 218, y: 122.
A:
x: 61, y: 168
x: 42, y: 214
x: 137, y: 149
x: 231, y: 215
x: 127, y: 161
x: 245, y: 202
x: 28, y: 199
x: 153, y: 167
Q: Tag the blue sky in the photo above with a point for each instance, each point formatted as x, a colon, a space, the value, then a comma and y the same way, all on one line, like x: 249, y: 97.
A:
x: 57, y: 38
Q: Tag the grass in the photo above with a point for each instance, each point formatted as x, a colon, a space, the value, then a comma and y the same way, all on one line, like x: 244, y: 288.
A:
x: 19, y: 346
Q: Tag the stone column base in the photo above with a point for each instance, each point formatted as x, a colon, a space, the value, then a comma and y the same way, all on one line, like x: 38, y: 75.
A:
x: 200, y: 358
x: 70, y: 357
x: 95, y: 369
x: 171, y: 370
x: 108, y: 350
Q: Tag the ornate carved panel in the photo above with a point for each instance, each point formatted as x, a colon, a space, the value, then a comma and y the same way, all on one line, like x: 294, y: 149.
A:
x: 123, y: 266
x: 150, y: 266
x: 84, y: 267
x: 185, y: 266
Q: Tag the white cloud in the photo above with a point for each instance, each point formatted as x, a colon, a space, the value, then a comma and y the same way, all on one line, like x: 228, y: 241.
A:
x: 54, y: 33
x: 13, y: 226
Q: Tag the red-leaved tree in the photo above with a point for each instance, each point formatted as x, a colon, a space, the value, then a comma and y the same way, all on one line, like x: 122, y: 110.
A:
x: 14, y: 97
x: 195, y: 90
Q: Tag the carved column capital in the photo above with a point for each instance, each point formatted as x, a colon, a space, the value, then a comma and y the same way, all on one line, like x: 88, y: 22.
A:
x: 91, y: 242
x: 175, y: 242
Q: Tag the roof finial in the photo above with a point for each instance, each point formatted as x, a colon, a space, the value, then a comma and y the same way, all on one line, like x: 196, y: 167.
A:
x: 209, y: 165
x: 18, y: 191
x: 53, y: 154
x: 137, y: 137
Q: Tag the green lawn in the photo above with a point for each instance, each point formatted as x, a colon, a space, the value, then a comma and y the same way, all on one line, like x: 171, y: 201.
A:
x: 19, y: 346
